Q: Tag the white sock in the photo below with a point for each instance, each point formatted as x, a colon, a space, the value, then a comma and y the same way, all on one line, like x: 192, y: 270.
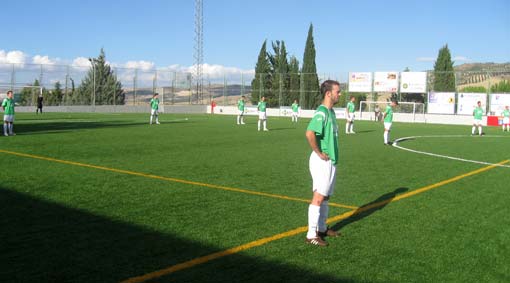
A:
x: 238, y: 119
x: 473, y: 130
x: 10, y: 128
x: 242, y: 119
x: 347, y: 127
x: 386, y: 136
x: 351, y: 126
x: 5, y: 129
x: 313, y: 220
x: 157, y: 119
x: 151, y: 119
x: 323, y: 216
x: 259, y: 124
x: 265, y: 124
x: 480, y: 130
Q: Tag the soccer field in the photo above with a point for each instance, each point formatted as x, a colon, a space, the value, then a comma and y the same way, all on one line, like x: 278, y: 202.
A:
x: 109, y: 198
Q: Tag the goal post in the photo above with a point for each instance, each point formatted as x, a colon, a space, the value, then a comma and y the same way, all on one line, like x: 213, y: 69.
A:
x: 25, y: 95
x: 373, y: 110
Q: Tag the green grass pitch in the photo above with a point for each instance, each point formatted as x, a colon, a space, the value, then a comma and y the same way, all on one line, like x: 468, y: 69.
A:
x: 67, y: 223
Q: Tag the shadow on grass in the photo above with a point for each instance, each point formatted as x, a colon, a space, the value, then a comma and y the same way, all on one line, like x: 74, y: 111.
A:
x: 59, y: 127
x: 369, y: 208
x: 43, y: 241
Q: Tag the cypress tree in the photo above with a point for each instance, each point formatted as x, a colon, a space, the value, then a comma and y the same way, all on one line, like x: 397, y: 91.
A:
x: 107, y: 87
x: 261, y: 83
x: 309, y: 78
x: 444, y: 76
x: 279, y: 73
x: 294, y: 80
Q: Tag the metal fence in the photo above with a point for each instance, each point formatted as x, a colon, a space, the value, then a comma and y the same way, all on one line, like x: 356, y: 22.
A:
x: 177, y: 87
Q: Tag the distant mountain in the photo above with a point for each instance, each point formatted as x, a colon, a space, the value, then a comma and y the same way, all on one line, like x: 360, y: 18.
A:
x: 483, y: 67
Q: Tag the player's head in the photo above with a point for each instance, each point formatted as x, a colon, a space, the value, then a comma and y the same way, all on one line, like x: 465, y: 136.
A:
x: 155, y: 95
x: 263, y: 98
x: 9, y: 93
x: 479, y: 103
x: 394, y: 103
x: 352, y: 98
x: 295, y: 100
x: 330, y: 89
x: 506, y: 107
x: 242, y: 97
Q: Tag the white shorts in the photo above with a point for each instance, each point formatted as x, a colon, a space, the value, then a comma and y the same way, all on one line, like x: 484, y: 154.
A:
x: 350, y: 117
x: 262, y: 115
x: 154, y: 112
x: 9, y: 118
x: 477, y: 122
x: 387, y: 125
x: 295, y: 114
x: 240, y: 112
x: 323, y: 175
x: 506, y: 120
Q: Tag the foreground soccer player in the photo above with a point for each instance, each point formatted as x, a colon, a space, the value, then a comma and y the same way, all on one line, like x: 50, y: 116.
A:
x: 506, y: 119
x: 261, y: 107
x: 388, y: 120
x: 154, y: 108
x: 350, y: 116
x: 478, y: 115
x: 8, y: 107
x: 322, y: 136
x: 240, y: 111
x: 295, y: 111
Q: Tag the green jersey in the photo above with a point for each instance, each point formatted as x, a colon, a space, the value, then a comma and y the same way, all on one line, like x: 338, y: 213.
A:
x: 261, y: 106
x: 506, y: 113
x: 325, y: 127
x: 350, y: 107
x: 478, y: 113
x: 155, y: 103
x: 389, y: 114
x: 8, y: 105
x: 295, y: 107
x: 240, y: 105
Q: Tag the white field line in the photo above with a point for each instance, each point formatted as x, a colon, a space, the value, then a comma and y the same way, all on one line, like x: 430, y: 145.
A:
x: 395, y: 144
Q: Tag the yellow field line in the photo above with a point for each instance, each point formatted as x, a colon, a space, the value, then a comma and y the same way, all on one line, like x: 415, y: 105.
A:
x: 121, y: 171
x: 263, y: 241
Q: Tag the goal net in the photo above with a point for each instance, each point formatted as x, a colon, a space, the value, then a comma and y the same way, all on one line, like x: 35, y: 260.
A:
x: 373, y: 110
x: 24, y: 95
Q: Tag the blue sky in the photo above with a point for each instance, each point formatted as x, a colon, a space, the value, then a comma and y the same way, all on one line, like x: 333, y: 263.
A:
x: 349, y: 35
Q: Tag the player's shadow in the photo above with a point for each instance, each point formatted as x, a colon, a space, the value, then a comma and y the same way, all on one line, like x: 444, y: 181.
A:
x: 45, y: 241
x: 365, y: 131
x: 369, y: 208
x: 59, y: 127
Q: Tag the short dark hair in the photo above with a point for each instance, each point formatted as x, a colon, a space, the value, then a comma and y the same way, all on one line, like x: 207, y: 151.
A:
x: 155, y: 94
x: 9, y: 91
x: 327, y: 85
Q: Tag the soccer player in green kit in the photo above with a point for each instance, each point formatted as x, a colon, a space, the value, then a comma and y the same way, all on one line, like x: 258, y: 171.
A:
x: 322, y: 136
x: 506, y: 119
x: 478, y: 116
x: 8, y: 107
x: 261, y: 107
x: 388, y: 120
x: 154, y: 108
x: 295, y: 111
x: 349, y: 115
x: 240, y: 111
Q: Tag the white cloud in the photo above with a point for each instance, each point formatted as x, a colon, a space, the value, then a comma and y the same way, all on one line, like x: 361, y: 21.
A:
x: 461, y: 58
x: 45, y: 60
x: 81, y: 62
x: 426, y: 59
x: 12, y: 57
x: 143, y: 65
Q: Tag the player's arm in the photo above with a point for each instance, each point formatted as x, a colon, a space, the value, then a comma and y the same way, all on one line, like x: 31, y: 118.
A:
x: 312, y: 141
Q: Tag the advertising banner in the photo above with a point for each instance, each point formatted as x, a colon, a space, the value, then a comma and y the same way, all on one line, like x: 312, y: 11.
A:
x: 413, y: 82
x: 360, y: 82
x: 385, y: 81
x: 467, y: 102
x: 441, y: 103
x: 499, y: 101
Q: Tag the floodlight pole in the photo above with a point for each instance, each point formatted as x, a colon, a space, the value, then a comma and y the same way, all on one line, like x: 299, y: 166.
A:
x: 93, y: 62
